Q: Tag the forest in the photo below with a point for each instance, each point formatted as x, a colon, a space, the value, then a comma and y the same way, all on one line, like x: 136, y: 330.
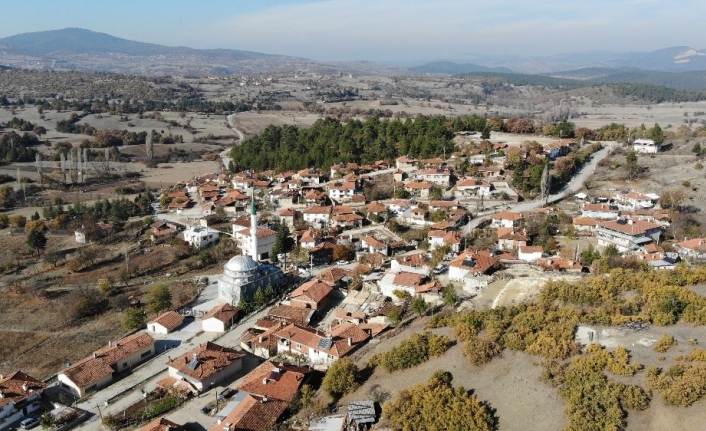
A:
x: 328, y: 142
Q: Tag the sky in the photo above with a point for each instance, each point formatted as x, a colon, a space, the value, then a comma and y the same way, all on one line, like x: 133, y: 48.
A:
x: 378, y: 30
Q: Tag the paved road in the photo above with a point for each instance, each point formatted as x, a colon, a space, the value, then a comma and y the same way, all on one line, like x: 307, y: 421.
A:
x: 147, y: 375
x: 571, y: 187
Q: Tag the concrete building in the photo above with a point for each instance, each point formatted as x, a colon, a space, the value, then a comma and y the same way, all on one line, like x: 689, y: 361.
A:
x: 646, y: 146
x: 165, y: 322
x: 219, y: 318
x: 99, y: 369
x: 200, y: 236
x: 20, y: 396
x: 206, y: 365
x: 627, y: 235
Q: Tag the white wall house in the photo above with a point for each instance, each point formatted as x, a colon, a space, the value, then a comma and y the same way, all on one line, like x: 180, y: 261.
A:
x: 530, y: 253
x: 647, y: 146
x: 21, y: 397
x: 219, y: 318
x: 165, y: 322
x: 317, y: 215
x: 627, y: 235
x: 200, y: 237
x: 341, y: 191
x: 206, y: 365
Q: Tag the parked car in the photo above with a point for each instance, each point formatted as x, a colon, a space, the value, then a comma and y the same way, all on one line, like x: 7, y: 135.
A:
x: 29, y: 423
x: 342, y: 262
x: 440, y: 268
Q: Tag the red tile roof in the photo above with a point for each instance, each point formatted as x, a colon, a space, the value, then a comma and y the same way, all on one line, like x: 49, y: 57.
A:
x: 224, y: 312
x: 18, y: 386
x: 212, y: 358
x: 407, y: 279
x: 507, y: 215
x: 170, y: 320
x: 311, y: 291
x: 253, y: 413
x: 94, y: 368
x: 162, y: 424
x: 630, y: 227
x: 300, y: 316
x: 275, y: 381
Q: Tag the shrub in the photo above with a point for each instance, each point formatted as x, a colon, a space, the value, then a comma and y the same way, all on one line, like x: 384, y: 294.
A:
x: 665, y: 343
x: 680, y: 385
x: 341, y: 378
x: 411, y: 352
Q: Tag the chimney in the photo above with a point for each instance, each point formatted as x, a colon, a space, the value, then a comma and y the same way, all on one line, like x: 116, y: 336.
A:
x: 95, y: 355
x: 263, y: 400
x: 25, y: 387
x: 350, y: 341
x: 264, y: 380
x: 260, y: 339
x: 2, y: 394
x: 110, y: 343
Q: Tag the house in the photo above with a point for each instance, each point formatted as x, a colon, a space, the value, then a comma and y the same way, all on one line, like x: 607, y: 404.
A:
x: 275, y: 381
x: 208, y: 209
x: 399, y: 175
x: 162, y: 424
x: 317, y: 215
x: 313, y: 294
x: 530, y: 253
x: 20, y: 396
x: 373, y: 245
x: 399, y: 206
x: 219, y: 318
x: 206, y: 364
x: 471, y: 262
x: 318, y: 347
x: 417, y: 263
x: 310, y: 176
x: 557, y: 263
x: 403, y: 281
x: 586, y: 225
x: 265, y: 241
x: 322, y: 254
x: 440, y: 238
x: 347, y: 221
x: 99, y: 369
x: 557, y: 149
x: 251, y: 413
x: 600, y: 211
x: 405, y: 162
x: 693, y: 248
x: 627, y: 235
x: 634, y: 200
x: 646, y: 146
x: 315, y: 197
x: 289, y: 314
x: 474, y: 186
x: 262, y: 342
x: 443, y: 206
x: 309, y: 239
x: 335, y: 277
x: 342, y: 191
x: 287, y: 216
x: 418, y: 188
x: 439, y: 176
x: 506, y: 219
x: 165, y: 322
x: 510, y: 238
x: 343, y: 168
x: 163, y: 229
x: 201, y: 236
x: 490, y: 171
x: 376, y: 209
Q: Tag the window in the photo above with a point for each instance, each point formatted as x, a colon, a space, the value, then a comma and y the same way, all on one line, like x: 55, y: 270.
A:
x: 147, y: 353
x: 299, y: 346
x: 316, y: 352
x: 91, y: 388
x: 124, y: 364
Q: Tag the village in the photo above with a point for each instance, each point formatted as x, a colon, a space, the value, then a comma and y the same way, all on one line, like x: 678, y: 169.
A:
x: 324, y: 271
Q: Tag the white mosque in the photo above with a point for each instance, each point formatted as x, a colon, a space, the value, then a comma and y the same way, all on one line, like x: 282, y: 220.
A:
x: 244, y: 275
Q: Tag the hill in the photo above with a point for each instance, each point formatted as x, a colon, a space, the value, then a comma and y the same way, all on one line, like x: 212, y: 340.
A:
x: 451, y: 68
x: 80, y: 49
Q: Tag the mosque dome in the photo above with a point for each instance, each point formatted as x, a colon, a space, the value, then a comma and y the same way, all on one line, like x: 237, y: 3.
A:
x: 242, y: 263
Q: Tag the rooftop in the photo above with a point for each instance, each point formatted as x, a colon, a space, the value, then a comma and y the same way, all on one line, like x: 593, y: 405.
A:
x: 205, y: 360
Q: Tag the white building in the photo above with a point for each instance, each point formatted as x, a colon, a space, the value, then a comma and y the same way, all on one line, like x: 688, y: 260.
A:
x: 21, y: 395
x: 265, y: 241
x: 530, y: 253
x: 320, y: 215
x: 341, y: 191
x: 200, y: 236
x: 165, y: 322
x: 647, y: 146
x: 219, y: 318
x: 206, y: 365
x: 627, y: 235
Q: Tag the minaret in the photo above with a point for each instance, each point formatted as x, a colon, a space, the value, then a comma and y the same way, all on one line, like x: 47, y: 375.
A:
x: 253, y: 229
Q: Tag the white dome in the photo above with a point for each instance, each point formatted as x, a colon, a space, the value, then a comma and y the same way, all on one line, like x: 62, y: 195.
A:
x: 241, y: 263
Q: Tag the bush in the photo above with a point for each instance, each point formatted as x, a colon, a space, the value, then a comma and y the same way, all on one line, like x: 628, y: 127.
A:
x: 680, y: 385
x: 341, y: 378
x: 665, y: 343
x: 411, y: 352
x: 438, y: 406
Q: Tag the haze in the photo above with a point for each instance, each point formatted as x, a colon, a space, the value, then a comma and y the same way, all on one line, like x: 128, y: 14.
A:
x: 388, y: 31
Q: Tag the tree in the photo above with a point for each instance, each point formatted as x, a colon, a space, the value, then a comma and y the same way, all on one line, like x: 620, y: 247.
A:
x: 611, y: 251
x: 4, y: 221
x: 632, y: 168
x: 259, y: 299
x: 656, y: 134
x: 159, y: 299
x: 134, y: 319
x: 450, y: 296
x: 696, y: 149
x: 7, y: 196
x: 341, y: 378
x: 39, y: 131
x: 588, y: 255
x: 438, y: 406
x: 419, y: 305
x: 36, y: 241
